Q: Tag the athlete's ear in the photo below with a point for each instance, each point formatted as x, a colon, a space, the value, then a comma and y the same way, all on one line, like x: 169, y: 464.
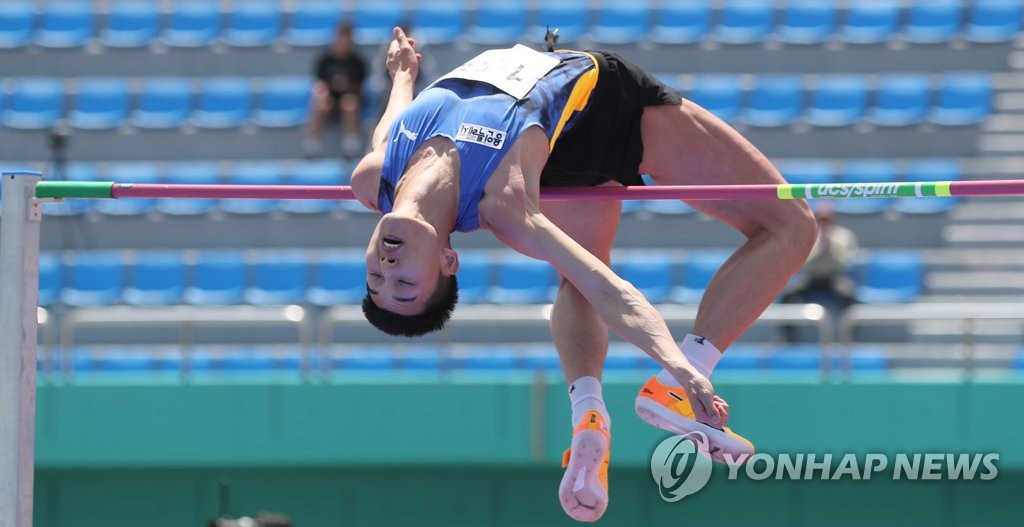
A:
x: 449, y: 261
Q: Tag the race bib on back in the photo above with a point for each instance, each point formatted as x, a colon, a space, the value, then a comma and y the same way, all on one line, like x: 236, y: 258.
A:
x: 514, y: 71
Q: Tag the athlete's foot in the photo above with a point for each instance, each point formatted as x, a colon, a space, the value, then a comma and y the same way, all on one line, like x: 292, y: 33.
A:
x: 667, y: 408
x: 584, y: 488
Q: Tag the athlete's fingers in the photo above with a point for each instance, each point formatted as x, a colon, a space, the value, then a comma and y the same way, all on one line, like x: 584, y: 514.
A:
x: 412, y: 41
x: 419, y: 57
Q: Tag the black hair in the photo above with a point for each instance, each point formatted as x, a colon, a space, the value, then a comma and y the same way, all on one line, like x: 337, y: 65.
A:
x: 436, y: 314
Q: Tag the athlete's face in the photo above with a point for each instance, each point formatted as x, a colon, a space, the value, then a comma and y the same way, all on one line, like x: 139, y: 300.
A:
x: 403, y: 261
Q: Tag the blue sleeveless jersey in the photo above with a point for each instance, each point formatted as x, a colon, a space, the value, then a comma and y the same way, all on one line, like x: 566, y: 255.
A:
x: 484, y: 122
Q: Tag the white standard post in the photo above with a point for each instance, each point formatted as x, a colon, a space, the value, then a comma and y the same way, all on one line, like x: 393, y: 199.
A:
x: 19, y: 296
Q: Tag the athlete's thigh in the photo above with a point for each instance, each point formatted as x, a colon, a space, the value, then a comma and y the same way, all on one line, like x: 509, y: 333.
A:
x: 688, y: 145
x: 592, y: 224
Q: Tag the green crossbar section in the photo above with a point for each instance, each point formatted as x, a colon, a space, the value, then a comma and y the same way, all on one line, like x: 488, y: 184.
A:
x: 74, y: 189
x: 864, y: 190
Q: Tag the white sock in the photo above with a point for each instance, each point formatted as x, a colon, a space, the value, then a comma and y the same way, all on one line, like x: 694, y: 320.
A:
x: 701, y: 353
x: 585, y: 395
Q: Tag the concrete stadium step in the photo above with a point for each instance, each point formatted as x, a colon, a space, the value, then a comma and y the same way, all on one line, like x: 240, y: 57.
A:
x: 985, y: 235
x: 973, y: 332
x: 966, y: 259
x: 988, y: 212
x: 975, y: 282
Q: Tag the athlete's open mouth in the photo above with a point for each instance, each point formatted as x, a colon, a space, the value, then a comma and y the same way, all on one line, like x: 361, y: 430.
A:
x: 391, y: 243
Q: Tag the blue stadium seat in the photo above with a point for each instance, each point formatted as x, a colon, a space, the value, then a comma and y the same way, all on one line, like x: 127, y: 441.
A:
x: 367, y: 358
x: 838, y: 100
x: 930, y: 170
x: 95, y: 278
x: 522, y: 280
x: 667, y: 207
x: 963, y: 99
x: 157, y: 279
x: 36, y: 103
x: 17, y: 20
x: 796, y: 359
x: 993, y: 21
x: 104, y: 360
x: 163, y: 102
x: 863, y: 358
x: 866, y: 171
x: 740, y: 359
x: 474, y: 278
x: 73, y: 172
x: 438, y: 21
x: 932, y: 21
x: 283, y: 102
x: 327, y: 172
x: 1018, y: 363
x: 871, y: 22
x: 100, y: 103
x: 423, y: 359
x: 623, y: 356
x: 745, y: 21
x: 698, y: 268
x: 721, y: 95
x: 900, y: 100
x: 652, y: 275
x: 807, y: 22
x: 498, y: 22
x: 190, y: 173
x: 776, y: 100
x: 891, y: 276
x: 500, y: 358
x: 374, y: 22
x: 279, y: 280
x: 65, y: 24
x: 570, y: 17
x: 253, y: 173
x: 621, y: 22
x: 218, y: 278
x: 681, y: 22
x: 129, y: 172
x: 192, y: 24
x: 539, y: 358
x: 312, y: 24
x: 50, y: 278
x: 807, y: 171
x: 339, y: 278
x: 252, y: 24
x: 224, y: 102
x: 243, y: 360
x: 130, y: 25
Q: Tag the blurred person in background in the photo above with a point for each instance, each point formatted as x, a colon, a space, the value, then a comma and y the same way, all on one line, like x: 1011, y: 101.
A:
x: 340, y: 73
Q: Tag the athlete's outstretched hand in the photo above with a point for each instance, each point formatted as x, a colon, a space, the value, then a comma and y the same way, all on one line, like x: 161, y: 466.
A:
x: 707, y: 407
x: 402, y: 57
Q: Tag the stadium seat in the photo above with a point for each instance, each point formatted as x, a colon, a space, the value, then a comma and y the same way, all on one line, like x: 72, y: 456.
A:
x: 279, y: 280
x: 224, y: 102
x: 930, y: 170
x: 494, y: 358
x: 65, y: 24
x: 218, y: 278
x: 129, y: 172
x: 796, y: 359
x: 891, y: 276
x: 72, y: 172
x: 740, y: 359
x: 807, y: 22
x: 120, y: 360
x: 698, y: 268
x: 36, y: 103
x: 252, y: 24
x: 522, y: 280
x: 838, y: 100
x: 474, y: 278
x: 776, y: 100
x: 422, y: 359
x: 100, y: 103
x: 192, y: 24
x: 157, y: 279
x: 652, y: 275
x: 339, y: 278
x: 900, y: 100
x: 963, y: 99
x: 497, y: 22
x: 368, y: 358
x: 253, y: 173
x: 621, y: 22
x: 993, y: 21
x: 623, y: 356
x: 722, y: 95
x: 871, y: 22
x: 932, y: 21
x: 570, y: 17
x: 863, y: 358
x: 50, y: 278
x: 163, y: 102
x: 681, y: 22
x: 327, y: 172
x: 807, y: 171
x: 190, y: 173
x: 539, y: 358
x: 667, y: 207
x: 95, y: 278
x: 312, y: 24
x: 283, y: 102
x: 438, y: 21
x: 1018, y: 363
x: 374, y: 22
x: 17, y: 20
x: 130, y: 25
x: 866, y: 171
x: 745, y: 21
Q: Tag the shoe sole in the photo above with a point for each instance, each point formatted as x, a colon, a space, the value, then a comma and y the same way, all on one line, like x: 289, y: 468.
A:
x: 581, y: 493
x: 720, y: 443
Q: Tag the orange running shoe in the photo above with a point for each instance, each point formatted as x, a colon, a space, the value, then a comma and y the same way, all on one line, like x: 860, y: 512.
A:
x: 667, y: 408
x: 584, y: 488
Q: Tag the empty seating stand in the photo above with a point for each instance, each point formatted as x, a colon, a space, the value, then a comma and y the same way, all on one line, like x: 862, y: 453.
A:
x: 17, y: 21
x: 192, y: 24
x: 992, y: 21
x: 621, y: 22
x: 252, y: 23
x: 871, y: 22
x: 65, y: 24
x: 312, y: 23
x: 36, y: 103
x: 439, y: 22
x: 891, y: 276
x: 681, y: 22
x: 807, y: 22
x: 745, y: 21
x: 497, y: 22
x: 100, y: 103
x: 130, y: 25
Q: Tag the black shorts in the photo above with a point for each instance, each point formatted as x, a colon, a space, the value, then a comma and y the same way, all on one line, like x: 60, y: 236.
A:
x: 604, y: 143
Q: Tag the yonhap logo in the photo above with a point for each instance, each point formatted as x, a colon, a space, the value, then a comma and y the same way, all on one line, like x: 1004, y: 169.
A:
x: 681, y: 466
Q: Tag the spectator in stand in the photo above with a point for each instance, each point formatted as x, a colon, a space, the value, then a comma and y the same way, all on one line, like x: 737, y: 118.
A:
x: 340, y: 74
